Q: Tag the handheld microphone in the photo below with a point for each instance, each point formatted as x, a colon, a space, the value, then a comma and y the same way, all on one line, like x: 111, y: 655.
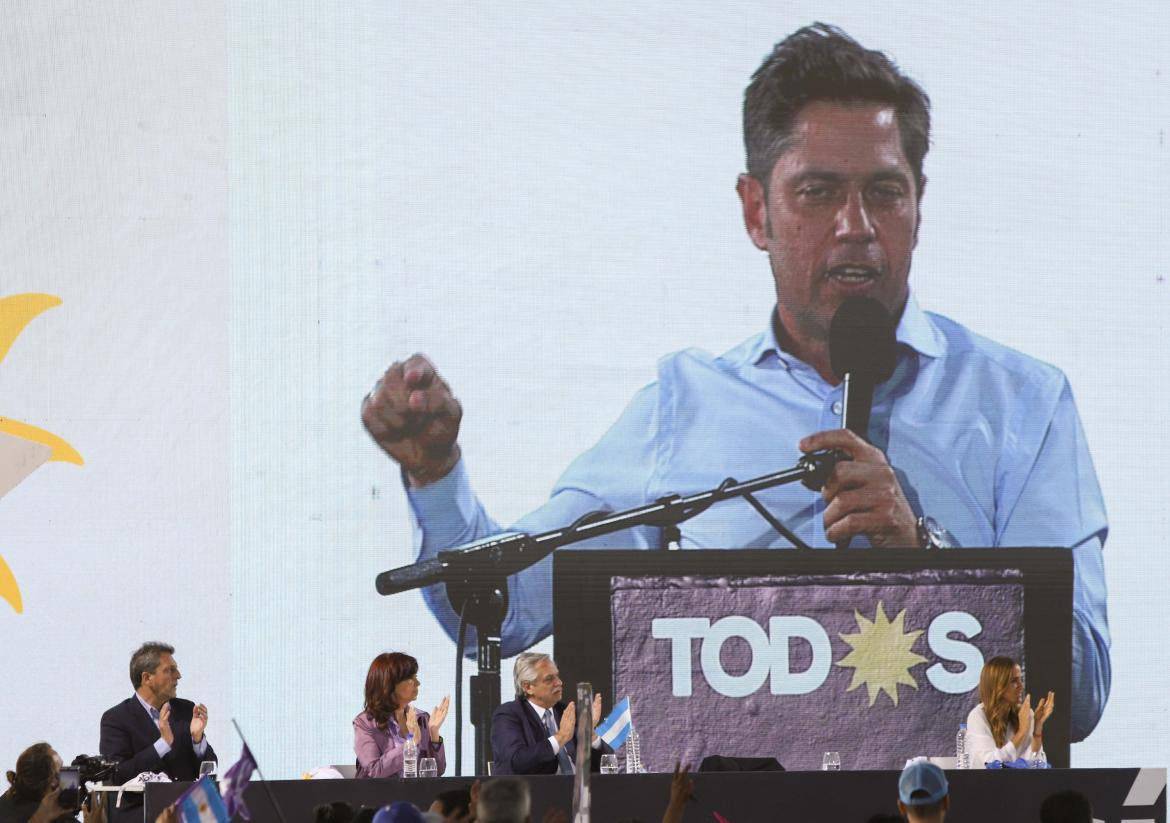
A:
x: 862, y: 353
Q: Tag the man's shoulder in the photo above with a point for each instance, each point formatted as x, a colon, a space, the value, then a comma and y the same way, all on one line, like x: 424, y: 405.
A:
x: 697, y: 360
x: 512, y: 707
x: 967, y: 350
x: 120, y: 709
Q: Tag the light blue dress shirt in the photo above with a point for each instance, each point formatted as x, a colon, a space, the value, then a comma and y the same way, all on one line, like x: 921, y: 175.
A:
x: 985, y: 440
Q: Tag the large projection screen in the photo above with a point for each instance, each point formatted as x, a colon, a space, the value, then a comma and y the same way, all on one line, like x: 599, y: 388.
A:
x: 249, y: 209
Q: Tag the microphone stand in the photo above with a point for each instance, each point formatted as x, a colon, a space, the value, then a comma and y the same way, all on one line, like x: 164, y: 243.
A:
x: 476, y: 573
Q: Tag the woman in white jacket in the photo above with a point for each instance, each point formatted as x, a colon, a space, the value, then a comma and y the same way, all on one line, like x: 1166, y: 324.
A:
x: 1004, y: 726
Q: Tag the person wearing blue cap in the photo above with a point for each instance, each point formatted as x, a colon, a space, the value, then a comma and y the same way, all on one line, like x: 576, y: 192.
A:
x: 400, y: 812
x: 922, y: 793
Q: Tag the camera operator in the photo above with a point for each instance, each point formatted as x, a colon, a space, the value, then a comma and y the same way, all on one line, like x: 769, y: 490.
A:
x: 152, y: 730
x: 34, y: 794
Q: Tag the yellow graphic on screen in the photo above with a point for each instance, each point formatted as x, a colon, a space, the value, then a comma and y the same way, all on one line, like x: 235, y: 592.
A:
x: 881, y: 656
x: 41, y: 446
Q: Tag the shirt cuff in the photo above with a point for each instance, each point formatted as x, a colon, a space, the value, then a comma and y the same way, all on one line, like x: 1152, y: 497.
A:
x: 161, y: 747
x: 596, y: 742
x: 556, y: 746
x: 448, y: 503
x: 200, y: 747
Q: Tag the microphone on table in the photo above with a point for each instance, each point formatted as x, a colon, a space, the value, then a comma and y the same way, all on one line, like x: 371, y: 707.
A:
x: 862, y: 353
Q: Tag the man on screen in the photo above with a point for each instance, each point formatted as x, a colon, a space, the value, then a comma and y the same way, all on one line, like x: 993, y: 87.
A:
x: 971, y: 443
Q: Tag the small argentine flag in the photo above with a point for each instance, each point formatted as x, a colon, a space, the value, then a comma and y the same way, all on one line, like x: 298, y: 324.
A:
x: 614, y: 729
x: 202, y: 804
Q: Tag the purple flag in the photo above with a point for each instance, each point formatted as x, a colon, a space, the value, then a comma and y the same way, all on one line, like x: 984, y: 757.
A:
x: 235, y: 780
x: 880, y: 667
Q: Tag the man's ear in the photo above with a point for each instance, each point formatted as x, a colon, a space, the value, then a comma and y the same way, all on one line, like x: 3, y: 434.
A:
x: 918, y: 207
x: 754, y: 203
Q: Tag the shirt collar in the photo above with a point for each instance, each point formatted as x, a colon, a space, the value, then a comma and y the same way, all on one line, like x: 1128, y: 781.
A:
x: 150, y: 710
x: 540, y: 710
x: 915, y: 330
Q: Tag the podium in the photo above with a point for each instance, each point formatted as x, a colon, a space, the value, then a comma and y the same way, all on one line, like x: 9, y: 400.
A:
x: 871, y: 653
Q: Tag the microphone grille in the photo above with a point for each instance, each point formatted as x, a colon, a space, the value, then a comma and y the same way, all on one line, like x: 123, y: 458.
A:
x: 861, y: 340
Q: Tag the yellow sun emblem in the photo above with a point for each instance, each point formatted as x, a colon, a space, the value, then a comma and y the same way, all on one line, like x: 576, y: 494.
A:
x: 23, y: 447
x: 881, y: 656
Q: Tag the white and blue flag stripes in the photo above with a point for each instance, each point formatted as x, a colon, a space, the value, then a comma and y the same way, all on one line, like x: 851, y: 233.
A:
x: 202, y: 804
x: 614, y: 729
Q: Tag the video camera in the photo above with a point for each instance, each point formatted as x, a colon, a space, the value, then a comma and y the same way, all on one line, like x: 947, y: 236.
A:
x: 84, y: 769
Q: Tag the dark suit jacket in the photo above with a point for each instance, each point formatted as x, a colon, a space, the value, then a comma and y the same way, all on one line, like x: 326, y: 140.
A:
x: 520, y: 741
x: 128, y: 736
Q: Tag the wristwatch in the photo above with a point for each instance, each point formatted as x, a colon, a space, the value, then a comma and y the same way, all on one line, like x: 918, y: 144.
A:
x: 932, y: 535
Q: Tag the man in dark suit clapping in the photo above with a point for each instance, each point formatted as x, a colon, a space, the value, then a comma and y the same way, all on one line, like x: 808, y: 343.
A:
x: 536, y: 732
x: 152, y: 730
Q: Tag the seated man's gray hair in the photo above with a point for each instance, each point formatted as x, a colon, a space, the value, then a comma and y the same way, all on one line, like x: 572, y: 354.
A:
x: 504, y: 800
x: 524, y: 670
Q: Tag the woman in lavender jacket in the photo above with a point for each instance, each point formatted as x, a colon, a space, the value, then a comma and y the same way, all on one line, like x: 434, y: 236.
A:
x: 380, y: 732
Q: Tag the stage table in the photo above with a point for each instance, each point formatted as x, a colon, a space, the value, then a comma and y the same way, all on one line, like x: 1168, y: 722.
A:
x: 1008, y: 796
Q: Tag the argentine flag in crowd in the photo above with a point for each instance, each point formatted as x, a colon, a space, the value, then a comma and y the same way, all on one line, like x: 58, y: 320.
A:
x: 614, y: 729
x: 202, y: 804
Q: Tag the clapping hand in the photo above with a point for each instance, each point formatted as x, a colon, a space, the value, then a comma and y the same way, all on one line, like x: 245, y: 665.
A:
x: 1043, y: 712
x: 568, y: 724
x: 412, y: 722
x: 596, y: 715
x: 198, y: 723
x: 164, y: 725
x: 438, y: 716
x: 1025, y: 714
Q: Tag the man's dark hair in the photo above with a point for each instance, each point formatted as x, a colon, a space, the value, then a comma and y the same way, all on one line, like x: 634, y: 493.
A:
x: 454, y: 801
x: 1066, y: 807
x: 146, y: 659
x: 335, y: 812
x: 822, y: 63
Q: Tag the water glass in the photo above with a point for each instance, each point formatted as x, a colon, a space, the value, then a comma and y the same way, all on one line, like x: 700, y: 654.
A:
x: 609, y: 764
x: 428, y: 767
x: 207, y: 767
x: 1037, y: 760
x: 831, y: 762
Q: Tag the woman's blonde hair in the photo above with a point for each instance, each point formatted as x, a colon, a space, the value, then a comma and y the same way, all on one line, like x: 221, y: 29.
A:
x: 993, y: 682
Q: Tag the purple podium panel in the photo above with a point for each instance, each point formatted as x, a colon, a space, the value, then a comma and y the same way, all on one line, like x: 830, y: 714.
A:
x: 873, y: 654
x: 878, y: 667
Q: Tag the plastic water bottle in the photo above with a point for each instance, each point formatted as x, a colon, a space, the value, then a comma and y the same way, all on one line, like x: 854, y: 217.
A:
x: 962, y: 758
x: 410, y: 757
x: 633, y: 752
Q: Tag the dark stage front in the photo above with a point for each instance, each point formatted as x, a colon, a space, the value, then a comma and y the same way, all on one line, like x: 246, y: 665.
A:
x: 810, y: 797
